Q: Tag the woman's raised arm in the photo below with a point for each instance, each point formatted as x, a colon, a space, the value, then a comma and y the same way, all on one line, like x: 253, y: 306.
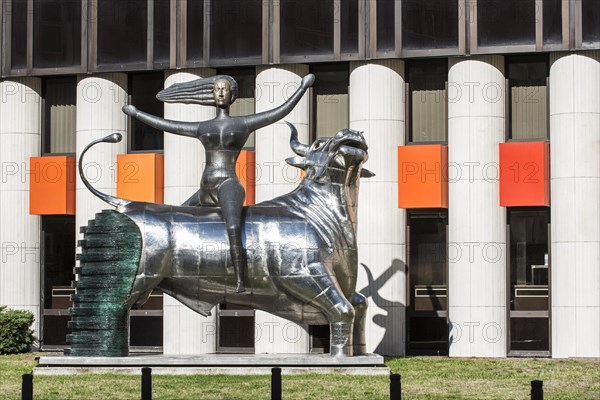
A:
x: 176, y: 127
x: 265, y: 118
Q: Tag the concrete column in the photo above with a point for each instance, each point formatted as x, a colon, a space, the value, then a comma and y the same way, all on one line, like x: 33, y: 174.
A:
x: 477, y: 223
x: 99, y: 102
x: 377, y: 108
x: 20, y: 127
x: 575, y: 200
x: 274, y: 85
x: 185, y: 331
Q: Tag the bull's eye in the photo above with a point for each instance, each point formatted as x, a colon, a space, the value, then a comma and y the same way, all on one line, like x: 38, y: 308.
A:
x: 317, y: 145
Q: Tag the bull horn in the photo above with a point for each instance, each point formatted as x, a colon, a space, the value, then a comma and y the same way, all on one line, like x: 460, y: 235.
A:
x: 297, y: 147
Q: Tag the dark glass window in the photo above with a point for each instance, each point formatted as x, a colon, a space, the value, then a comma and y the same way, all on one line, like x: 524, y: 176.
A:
x: 429, y: 24
x: 58, y: 233
x: 529, y: 274
x: 56, y: 33
x: 60, y: 114
x: 330, y: 100
x: 236, y: 329
x: 427, y: 325
x: 590, y: 27
x: 427, y: 100
x: 349, y: 26
x: 386, y: 28
x: 162, y: 30
x: 505, y: 22
x: 320, y: 341
x: 18, y: 46
x: 122, y: 32
x: 552, y: 21
x: 528, y: 112
x: 143, y: 89
x: 306, y: 27
x: 235, y: 29
x: 195, y: 30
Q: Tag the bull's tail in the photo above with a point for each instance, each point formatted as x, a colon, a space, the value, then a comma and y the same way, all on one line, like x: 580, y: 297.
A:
x: 109, y: 259
x: 112, y: 200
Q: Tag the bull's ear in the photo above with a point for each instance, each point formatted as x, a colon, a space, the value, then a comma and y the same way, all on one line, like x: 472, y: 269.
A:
x: 298, y: 162
x: 365, y: 173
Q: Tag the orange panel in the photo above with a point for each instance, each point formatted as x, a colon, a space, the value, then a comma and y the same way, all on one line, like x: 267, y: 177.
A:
x: 524, y: 174
x: 52, y: 185
x: 423, y: 176
x: 245, y: 170
x: 140, y: 177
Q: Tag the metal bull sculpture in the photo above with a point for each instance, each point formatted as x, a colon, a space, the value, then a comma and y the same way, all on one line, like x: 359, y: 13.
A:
x: 301, y: 251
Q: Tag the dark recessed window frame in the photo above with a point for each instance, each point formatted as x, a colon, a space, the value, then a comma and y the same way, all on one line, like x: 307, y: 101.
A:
x: 528, y: 308
x: 64, y: 82
x: 329, y: 90
x: 533, y: 58
x: 409, y: 120
x: 201, y: 48
x: 538, y: 44
x: 338, y: 53
x: 132, y: 124
x: 150, y: 63
x: 582, y: 22
x: 27, y: 69
x: 429, y: 307
x: 398, y: 51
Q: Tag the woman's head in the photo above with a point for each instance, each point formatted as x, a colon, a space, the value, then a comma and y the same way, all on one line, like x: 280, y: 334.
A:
x: 218, y: 91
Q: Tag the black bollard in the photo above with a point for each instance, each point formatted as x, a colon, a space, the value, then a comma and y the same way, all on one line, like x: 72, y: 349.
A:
x: 395, y: 387
x: 146, y: 383
x: 276, y: 383
x: 27, y: 387
x: 537, y: 390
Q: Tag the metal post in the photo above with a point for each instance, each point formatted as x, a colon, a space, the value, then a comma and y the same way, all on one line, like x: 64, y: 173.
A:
x: 395, y: 387
x: 146, y: 383
x: 27, y: 387
x: 537, y: 390
x: 276, y: 383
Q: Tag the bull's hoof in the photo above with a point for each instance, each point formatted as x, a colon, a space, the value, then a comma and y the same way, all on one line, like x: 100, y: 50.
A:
x: 341, y: 351
x: 240, y: 287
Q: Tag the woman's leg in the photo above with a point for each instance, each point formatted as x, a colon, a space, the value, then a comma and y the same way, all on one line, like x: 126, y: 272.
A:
x: 231, y: 199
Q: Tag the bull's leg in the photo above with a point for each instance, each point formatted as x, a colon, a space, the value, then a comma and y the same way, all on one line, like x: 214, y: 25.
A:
x: 323, y: 292
x: 359, y: 302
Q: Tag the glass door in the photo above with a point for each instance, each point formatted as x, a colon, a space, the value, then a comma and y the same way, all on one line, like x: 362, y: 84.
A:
x: 529, y: 291
x: 427, y: 311
x: 236, y: 329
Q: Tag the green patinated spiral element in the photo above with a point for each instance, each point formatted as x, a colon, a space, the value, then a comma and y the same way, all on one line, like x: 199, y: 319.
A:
x: 109, y: 259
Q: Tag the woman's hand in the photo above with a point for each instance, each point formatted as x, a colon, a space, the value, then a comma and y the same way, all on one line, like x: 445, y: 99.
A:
x: 307, y: 81
x: 130, y: 110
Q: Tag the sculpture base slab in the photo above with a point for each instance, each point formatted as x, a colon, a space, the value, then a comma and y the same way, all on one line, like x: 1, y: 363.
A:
x: 226, y: 364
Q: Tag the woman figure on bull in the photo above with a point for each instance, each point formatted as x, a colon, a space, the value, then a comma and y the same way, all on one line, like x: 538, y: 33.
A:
x: 223, y: 138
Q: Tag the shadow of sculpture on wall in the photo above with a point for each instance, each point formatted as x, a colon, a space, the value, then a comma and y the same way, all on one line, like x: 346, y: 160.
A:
x: 393, y: 323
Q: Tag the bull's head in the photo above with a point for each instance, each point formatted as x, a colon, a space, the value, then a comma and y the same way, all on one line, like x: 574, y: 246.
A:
x: 333, y: 157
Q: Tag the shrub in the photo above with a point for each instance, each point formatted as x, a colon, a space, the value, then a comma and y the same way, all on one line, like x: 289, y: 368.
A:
x: 15, y: 334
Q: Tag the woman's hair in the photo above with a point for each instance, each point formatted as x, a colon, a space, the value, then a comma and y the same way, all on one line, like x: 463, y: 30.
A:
x: 199, y: 91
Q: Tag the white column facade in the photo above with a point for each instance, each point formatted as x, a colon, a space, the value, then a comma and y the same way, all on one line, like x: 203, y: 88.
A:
x: 20, y: 128
x: 477, y: 223
x: 274, y: 85
x: 575, y: 199
x: 377, y: 93
x: 100, y: 99
x: 184, y: 330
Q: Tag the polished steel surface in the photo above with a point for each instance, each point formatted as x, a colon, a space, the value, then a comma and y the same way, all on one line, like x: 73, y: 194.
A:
x: 301, y: 247
x: 223, y: 138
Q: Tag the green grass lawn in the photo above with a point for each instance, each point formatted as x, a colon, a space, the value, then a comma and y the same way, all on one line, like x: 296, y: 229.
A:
x: 422, y: 378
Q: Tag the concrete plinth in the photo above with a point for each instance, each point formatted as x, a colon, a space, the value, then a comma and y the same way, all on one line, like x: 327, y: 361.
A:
x: 228, y: 364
